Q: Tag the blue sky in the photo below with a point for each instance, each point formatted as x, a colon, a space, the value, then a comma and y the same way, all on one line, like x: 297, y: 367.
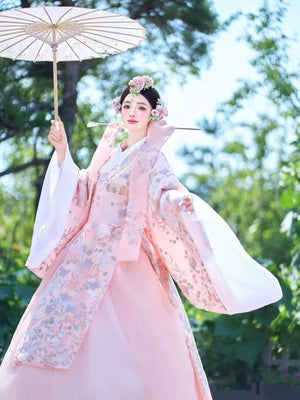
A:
x: 200, y: 97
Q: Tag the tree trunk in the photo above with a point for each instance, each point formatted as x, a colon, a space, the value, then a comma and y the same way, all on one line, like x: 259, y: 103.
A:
x: 70, y: 78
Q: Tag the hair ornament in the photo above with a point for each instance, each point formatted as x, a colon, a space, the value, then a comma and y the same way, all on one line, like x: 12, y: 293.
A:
x: 136, y: 85
x: 139, y: 83
x: 117, y: 104
x: 159, y: 112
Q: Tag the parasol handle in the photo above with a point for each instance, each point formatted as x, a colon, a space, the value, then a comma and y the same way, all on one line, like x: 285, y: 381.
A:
x: 54, y: 50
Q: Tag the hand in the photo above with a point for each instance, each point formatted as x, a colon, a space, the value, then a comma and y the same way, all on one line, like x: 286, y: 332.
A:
x: 159, y: 131
x: 58, y: 138
x: 187, y: 203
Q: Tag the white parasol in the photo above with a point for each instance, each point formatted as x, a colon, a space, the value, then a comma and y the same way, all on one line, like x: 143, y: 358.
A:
x: 65, y: 34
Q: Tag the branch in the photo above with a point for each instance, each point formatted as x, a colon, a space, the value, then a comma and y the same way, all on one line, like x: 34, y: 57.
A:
x: 18, y: 168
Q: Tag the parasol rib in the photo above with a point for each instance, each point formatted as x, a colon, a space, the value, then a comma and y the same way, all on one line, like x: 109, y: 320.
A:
x: 96, y: 27
x: 97, y: 41
x: 27, y: 13
x: 70, y: 9
x: 115, y: 33
x: 79, y: 59
x: 37, y: 54
x: 89, y: 47
x: 111, y: 22
x: 120, y: 16
x: 108, y: 45
x: 10, y: 31
x: 30, y: 44
x: 14, y: 22
x: 93, y: 12
x: 12, y: 45
x: 14, y: 37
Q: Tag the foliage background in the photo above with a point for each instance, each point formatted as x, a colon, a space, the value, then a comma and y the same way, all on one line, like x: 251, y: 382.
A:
x: 251, y: 177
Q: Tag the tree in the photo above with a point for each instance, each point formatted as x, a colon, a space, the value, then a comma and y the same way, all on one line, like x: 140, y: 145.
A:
x: 243, y: 180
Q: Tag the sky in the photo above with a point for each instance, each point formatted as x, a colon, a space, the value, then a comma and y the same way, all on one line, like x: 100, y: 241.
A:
x: 200, y: 97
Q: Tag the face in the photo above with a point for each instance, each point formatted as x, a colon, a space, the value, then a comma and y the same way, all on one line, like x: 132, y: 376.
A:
x: 135, y: 112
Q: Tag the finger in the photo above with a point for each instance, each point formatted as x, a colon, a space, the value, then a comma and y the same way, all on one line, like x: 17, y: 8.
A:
x: 52, y: 139
x: 54, y: 132
x: 55, y: 135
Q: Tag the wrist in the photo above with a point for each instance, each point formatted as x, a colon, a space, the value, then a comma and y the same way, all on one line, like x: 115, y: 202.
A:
x: 61, y: 153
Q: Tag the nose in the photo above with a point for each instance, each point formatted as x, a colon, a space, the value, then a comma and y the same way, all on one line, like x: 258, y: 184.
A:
x: 132, y: 110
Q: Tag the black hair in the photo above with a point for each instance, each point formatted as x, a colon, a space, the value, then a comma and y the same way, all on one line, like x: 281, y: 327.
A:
x: 150, y: 94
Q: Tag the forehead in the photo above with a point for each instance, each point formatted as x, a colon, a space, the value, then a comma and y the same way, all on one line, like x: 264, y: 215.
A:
x: 136, y: 99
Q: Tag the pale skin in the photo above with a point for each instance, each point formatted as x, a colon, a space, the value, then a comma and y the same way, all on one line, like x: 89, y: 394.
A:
x: 135, y: 114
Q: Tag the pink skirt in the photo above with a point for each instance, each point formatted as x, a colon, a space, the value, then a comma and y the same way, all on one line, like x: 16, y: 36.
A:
x: 135, y: 350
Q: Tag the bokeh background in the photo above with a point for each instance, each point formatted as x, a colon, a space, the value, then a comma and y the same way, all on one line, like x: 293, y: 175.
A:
x: 229, y: 67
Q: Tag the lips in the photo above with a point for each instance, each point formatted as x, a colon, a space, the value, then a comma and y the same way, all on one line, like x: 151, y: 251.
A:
x: 132, y: 121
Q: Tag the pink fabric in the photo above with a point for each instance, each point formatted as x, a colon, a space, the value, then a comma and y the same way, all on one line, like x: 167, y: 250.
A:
x: 197, y: 248
x: 135, y: 350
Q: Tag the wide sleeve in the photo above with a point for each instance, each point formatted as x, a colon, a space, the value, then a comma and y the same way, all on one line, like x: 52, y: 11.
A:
x: 204, y: 256
x: 59, y: 187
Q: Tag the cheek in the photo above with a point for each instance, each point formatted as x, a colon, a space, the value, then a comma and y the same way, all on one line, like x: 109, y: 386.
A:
x: 144, y: 114
x: 124, y: 111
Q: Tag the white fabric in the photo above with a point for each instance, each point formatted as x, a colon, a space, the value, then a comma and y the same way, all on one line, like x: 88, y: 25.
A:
x: 119, y: 156
x: 58, y: 190
x: 242, y: 284
x: 80, y: 33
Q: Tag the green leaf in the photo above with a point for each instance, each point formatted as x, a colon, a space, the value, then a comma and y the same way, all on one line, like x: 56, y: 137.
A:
x: 25, y: 293
x: 6, y: 292
x: 249, y: 348
x: 288, y: 199
x: 229, y: 326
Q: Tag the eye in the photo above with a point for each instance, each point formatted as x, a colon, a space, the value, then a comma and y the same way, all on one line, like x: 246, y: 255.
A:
x: 126, y: 106
x: 142, y: 108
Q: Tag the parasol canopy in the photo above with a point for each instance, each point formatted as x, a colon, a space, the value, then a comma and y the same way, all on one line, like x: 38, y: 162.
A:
x: 65, y: 34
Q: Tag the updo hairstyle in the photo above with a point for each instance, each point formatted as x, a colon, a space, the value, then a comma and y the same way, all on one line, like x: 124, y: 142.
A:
x: 150, y: 94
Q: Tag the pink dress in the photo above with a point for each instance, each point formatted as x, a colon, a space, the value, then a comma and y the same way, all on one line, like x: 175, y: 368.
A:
x: 109, y: 324
x: 134, y: 350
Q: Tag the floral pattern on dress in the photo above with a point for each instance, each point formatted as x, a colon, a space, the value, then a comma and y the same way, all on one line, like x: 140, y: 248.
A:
x: 80, y: 268
x: 182, y: 256
x: 81, y: 276
x: 84, y: 260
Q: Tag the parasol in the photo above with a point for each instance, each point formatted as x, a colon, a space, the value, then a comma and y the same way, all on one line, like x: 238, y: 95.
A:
x: 65, y: 34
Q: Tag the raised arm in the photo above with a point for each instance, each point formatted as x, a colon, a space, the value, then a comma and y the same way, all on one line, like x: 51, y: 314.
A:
x: 58, y: 138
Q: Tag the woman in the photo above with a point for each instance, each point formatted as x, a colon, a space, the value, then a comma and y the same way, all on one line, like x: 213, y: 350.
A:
x: 107, y: 321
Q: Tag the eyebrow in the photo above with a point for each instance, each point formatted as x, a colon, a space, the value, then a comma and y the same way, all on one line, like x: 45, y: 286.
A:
x: 127, y: 101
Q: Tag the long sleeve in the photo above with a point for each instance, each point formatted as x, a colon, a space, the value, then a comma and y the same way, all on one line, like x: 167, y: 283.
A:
x: 240, y: 282
x: 202, y: 253
x: 64, y: 203
x: 58, y: 189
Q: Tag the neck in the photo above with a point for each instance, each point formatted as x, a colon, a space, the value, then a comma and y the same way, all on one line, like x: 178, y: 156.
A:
x: 136, y: 136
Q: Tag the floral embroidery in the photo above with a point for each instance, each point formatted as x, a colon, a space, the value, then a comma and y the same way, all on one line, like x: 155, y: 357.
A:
x: 80, y: 268
x: 193, y: 278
